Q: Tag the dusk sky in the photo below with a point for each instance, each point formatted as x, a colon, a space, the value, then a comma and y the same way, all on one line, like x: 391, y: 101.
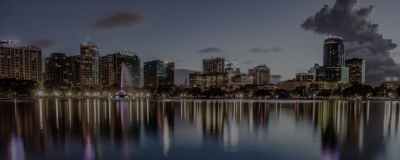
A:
x: 249, y: 32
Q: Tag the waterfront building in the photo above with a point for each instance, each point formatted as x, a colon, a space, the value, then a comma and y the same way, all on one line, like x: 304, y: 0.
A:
x: 291, y: 85
x: 75, y: 64
x: 356, y: 70
x: 89, y: 66
x: 261, y: 75
x: 231, y: 71
x: 196, y: 80
x: 158, y: 73
x: 208, y: 80
x: 334, y: 68
x: 214, y: 65
x: 333, y: 74
x: 334, y: 55
x: 111, y: 69
x: 20, y: 62
x: 58, y: 71
x: 241, y: 80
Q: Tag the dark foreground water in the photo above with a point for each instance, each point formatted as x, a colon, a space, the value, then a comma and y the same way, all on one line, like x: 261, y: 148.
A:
x: 198, y: 130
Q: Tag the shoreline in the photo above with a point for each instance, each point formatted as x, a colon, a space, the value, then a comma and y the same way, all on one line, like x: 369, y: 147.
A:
x: 177, y: 99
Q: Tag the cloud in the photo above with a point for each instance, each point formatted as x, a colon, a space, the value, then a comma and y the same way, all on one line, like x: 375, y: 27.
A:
x: 42, y: 43
x: 362, y: 38
x: 210, y: 50
x: 267, y: 50
x: 119, y: 19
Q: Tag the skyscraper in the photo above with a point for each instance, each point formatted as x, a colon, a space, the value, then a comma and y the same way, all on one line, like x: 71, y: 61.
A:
x: 58, y: 71
x: 111, y: 67
x: 158, y: 73
x: 356, y: 70
x: 89, y: 66
x: 214, y: 65
x: 20, y: 62
x: 334, y: 68
x: 334, y: 55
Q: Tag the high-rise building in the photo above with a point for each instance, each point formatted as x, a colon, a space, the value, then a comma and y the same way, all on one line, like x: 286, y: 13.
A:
x: 356, y: 70
x: 261, y: 75
x: 111, y: 67
x: 58, y: 71
x: 20, y: 62
x: 334, y: 68
x: 75, y: 65
x: 158, y: 73
x: 214, y: 65
x: 89, y: 66
x: 334, y: 55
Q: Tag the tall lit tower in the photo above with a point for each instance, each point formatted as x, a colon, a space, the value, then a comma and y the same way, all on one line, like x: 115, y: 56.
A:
x: 334, y: 55
x: 158, y: 73
x: 334, y: 68
x: 89, y: 67
x: 20, y: 62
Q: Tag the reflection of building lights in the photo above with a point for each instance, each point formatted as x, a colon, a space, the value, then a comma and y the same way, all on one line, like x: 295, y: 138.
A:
x: 16, y: 148
x: 89, y: 150
x: 69, y: 94
x: 40, y: 93
x: 41, y: 113
x: 166, y: 137
x: 56, y: 94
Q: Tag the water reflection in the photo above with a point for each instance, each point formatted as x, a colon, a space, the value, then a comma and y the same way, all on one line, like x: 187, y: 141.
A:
x: 232, y: 129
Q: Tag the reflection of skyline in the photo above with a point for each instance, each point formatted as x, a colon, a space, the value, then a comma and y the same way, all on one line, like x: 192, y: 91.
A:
x: 347, y: 130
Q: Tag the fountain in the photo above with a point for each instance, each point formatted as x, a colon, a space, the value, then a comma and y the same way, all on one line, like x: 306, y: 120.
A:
x: 122, y: 94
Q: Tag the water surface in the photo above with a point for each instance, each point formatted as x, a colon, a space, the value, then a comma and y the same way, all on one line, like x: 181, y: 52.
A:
x: 186, y: 129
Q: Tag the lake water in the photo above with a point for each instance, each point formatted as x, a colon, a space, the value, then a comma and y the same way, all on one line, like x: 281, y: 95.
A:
x: 199, y: 130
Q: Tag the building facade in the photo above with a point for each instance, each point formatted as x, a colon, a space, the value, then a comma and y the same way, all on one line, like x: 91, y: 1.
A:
x: 334, y: 55
x: 334, y: 68
x: 261, y: 75
x: 214, y: 65
x: 333, y: 74
x: 75, y: 65
x: 356, y: 70
x: 20, y: 62
x: 158, y: 73
x: 305, y: 77
x: 58, y: 71
x: 208, y: 80
x: 111, y: 68
x: 89, y: 66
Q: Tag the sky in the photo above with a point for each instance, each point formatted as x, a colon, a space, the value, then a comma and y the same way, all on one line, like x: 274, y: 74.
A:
x: 248, y: 33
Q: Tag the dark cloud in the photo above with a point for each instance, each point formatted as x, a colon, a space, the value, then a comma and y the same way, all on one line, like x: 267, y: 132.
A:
x: 119, y: 19
x: 210, y: 50
x: 267, y: 50
x: 362, y: 38
x: 42, y: 43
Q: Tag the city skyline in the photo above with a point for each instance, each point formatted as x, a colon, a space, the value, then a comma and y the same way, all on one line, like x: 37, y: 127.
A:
x: 185, y: 31
x: 89, y: 70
